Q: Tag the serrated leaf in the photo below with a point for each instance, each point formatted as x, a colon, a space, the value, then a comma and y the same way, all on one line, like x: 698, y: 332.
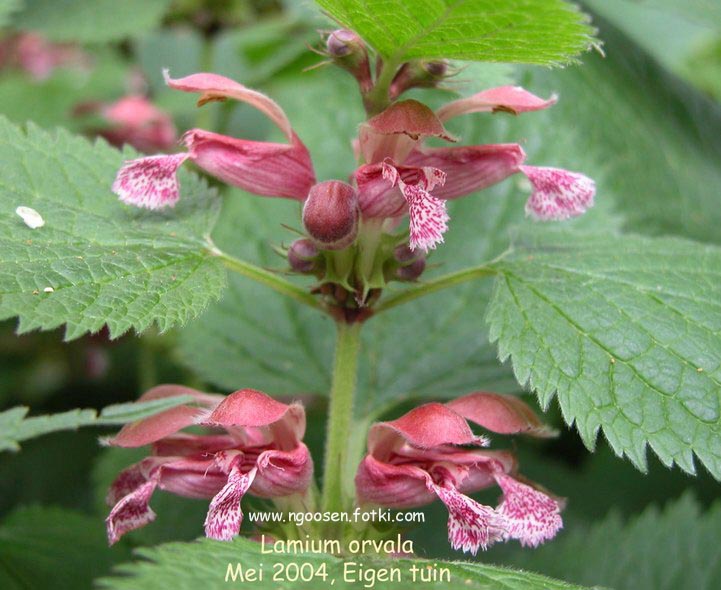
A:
x: 625, y: 331
x: 207, y: 563
x: 16, y: 427
x: 677, y: 549
x: 42, y: 547
x: 546, y: 32
x: 253, y: 338
x: 96, y: 262
x: 90, y: 21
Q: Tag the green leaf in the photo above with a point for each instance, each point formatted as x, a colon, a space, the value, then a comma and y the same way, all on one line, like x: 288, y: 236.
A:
x: 547, y: 32
x: 17, y: 427
x: 90, y: 21
x: 254, y: 338
x: 618, y: 115
x: 96, y: 262
x: 625, y: 330
x: 206, y: 563
x: 52, y: 548
x: 677, y: 549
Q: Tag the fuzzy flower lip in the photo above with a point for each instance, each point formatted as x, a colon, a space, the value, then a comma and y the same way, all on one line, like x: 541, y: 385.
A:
x: 418, y: 458
x: 558, y: 194
x: 254, y: 447
x: 259, y: 167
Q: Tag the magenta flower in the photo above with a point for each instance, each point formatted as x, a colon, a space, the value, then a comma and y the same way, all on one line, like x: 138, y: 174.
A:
x: 399, y: 176
x: 417, y: 458
x: 39, y: 57
x: 403, y: 177
x: 254, y: 446
x: 262, y: 168
x: 134, y: 120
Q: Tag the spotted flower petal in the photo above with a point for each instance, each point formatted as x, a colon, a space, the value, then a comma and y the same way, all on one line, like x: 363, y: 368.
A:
x: 471, y: 526
x: 151, y: 182
x: 131, y: 512
x: 225, y: 515
x: 417, y: 458
x: 530, y: 515
x: 428, y: 219
x: 558, y: 194
x: 258, y: 452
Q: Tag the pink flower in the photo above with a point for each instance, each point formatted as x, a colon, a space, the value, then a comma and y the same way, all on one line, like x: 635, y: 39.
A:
x: 418, y: 458
x: 134, y: 120
x: 426, y: 177
x: 262, y: 168
x: 39, y: 57
x: 399, y: 176
x: 254, y: 447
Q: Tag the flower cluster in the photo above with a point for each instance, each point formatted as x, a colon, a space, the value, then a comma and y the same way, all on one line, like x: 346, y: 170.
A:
x: 425, y: 455
x: 399, y: 177
x: 353, y: 246
x: 253, y: 445
x: 351, y: 224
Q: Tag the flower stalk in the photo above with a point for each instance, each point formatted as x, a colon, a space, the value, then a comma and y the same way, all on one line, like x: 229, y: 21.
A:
x: 268, y: 278
x: 340, y: 416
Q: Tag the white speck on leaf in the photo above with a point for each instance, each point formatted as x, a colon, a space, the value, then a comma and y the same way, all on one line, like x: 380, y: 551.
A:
x: 48, y: 290
x: 32, y: 218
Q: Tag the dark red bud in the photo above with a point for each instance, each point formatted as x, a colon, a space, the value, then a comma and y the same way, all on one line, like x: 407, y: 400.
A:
x: 348, y: 51
x: 436, y: 69
x: 330, y: 214
x: 302, y: 255
x: 411, y: 263
x: 418, y: 74
x: 411, y: 271
x: 404, y: 254
x: 342, y: 42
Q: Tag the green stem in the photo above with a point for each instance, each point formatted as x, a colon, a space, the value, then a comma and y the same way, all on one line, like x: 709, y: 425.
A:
x: 340, y: 416
x: 449, y: 280
x: 378, y: 98
x: 268, y: 278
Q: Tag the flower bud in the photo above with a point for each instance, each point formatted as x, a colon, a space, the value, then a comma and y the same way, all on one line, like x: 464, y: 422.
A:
x: 330, y: 214
x: 418, y: 74
x: 412, y: 271
x: 302, y: 255
x: 411, y: 263
x: 348, y: 51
